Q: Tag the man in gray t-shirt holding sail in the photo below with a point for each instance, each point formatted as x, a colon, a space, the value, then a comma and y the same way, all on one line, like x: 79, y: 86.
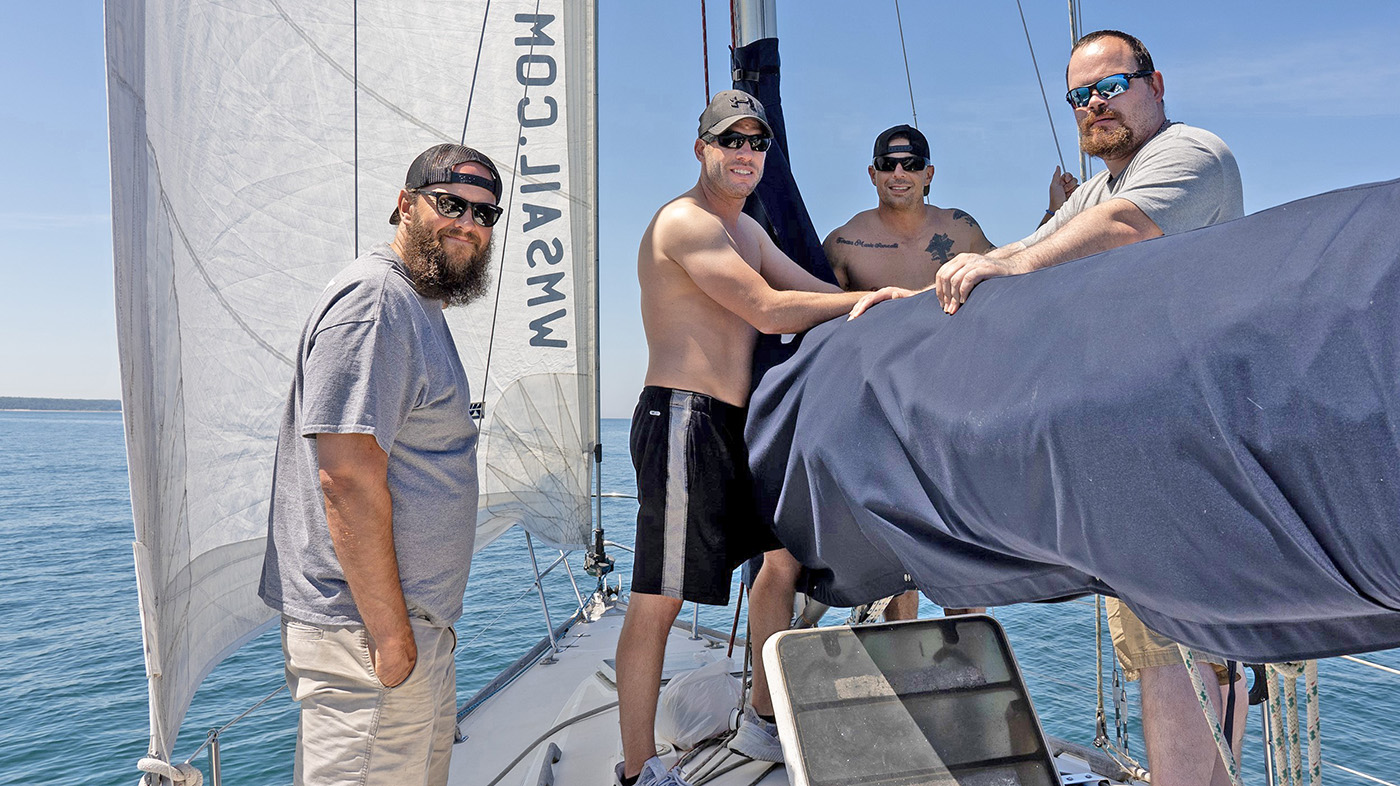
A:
x: 1161, y: 178
x: 374, y: 491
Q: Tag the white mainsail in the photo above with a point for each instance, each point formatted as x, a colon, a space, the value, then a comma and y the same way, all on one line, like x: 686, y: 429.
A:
x: 256, y: 149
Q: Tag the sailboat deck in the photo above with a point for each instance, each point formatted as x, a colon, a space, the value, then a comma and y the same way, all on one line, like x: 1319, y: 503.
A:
x: 579, y: 681
x: 556, y: 723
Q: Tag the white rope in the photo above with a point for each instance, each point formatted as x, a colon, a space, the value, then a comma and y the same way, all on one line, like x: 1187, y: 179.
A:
x: 1287, y: 748
x: 183, y: 773
x: 1208, y: 707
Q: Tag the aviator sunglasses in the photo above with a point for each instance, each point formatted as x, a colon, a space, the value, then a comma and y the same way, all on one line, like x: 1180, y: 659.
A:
x: 1107, y: 88
x: 758, y: 143
x: 452, y: 206
x: 910, y: 163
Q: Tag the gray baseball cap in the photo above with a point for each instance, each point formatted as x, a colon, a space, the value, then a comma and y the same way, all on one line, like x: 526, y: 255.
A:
x: 435, y: 164
x: 729, y: 107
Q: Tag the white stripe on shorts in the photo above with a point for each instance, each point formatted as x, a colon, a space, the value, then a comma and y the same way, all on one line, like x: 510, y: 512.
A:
x: 677, y: 495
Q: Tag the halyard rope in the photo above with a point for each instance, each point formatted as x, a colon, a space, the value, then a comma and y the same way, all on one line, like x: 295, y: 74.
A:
x: 1222, y: 745
x: 1287, y: 749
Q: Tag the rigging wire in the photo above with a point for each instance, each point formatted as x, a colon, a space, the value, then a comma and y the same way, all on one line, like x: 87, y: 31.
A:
x: 355, y: 80
x: 705, y: 48
x: 899, y: 20
x: 1041, y: 82
x: 476, y: 68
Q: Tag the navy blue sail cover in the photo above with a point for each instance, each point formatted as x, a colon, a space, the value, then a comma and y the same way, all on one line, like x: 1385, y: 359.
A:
x: 1206, y: 425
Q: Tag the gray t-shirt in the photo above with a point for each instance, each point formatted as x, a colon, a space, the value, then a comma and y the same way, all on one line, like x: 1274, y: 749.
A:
x: 1184, y: 178
x: 376, y: 358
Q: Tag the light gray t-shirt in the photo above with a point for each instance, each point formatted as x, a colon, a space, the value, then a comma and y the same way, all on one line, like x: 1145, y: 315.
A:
x: 376, y: 358
x: 1184, y: 178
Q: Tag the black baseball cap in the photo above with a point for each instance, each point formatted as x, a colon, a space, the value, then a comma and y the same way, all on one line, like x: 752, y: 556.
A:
x: 435, y: 164
x: 729, y: 107
x: 918, y: 145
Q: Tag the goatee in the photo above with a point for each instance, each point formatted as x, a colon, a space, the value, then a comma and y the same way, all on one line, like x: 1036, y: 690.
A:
x: 441, y: 276
x: 1105, y: 144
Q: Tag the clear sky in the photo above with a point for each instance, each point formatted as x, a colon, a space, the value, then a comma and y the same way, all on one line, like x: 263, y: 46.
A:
x: 1306, y: 94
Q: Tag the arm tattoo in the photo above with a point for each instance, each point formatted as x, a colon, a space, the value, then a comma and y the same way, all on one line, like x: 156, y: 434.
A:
x: 939, y: 247
x: 959, y: 215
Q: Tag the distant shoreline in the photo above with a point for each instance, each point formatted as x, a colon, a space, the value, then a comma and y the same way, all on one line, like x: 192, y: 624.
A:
x: 37, y: 404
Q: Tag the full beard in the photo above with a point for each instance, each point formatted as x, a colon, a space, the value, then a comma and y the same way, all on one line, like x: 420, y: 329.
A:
x: 438, y: 275
x: 1106, y: 144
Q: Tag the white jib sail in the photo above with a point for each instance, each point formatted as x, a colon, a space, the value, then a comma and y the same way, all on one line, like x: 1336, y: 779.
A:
x: 256, y: 148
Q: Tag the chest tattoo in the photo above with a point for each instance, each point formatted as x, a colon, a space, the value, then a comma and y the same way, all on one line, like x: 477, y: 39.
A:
x: 939, y: 247
x: 858, y: 243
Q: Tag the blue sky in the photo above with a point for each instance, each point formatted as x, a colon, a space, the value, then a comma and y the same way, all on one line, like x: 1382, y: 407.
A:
x: 1306, y: 94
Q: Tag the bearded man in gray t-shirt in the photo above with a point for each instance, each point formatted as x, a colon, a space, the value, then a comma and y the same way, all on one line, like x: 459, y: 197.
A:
x: 374, y: 491
x: 1160, y: 178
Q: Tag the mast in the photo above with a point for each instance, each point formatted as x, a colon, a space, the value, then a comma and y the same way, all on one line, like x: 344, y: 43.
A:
x: 754, y: 19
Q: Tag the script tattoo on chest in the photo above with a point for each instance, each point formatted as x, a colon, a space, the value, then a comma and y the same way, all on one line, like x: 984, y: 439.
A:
x: 858, y: 243
x: 939, y: 247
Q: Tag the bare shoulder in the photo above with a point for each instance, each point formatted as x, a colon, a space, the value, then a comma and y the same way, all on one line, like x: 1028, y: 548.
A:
x: 861, y: 225
x: 952, y: 217
x: 686, y: 222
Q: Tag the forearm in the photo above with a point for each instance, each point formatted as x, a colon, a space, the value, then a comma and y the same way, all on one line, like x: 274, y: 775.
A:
x: 359, y: 513
x: 793, y: 311
x: 1107, y: 226
x: 1008, y: 250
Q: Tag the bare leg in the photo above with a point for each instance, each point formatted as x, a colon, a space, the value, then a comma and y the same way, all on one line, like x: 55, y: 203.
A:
x: 1180, y: 748
x: 641, y: 649
x: 903, y: 607
x: 947, y: 612
x: 770, y: 611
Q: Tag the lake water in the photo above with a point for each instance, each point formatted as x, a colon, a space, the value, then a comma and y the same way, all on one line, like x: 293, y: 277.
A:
x: 73, y: 693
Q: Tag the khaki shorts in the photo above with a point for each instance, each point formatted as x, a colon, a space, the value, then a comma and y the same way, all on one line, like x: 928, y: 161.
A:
x: 353, y: 730
x: 1139, y: 648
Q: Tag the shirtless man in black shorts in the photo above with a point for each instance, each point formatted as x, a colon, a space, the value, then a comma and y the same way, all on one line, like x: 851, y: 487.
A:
x: 711, y: 280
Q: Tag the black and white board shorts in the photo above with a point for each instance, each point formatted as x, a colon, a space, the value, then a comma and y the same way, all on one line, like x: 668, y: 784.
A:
x: 698, y: 520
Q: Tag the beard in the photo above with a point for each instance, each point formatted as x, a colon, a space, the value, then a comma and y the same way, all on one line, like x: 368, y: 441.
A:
x: 1106, y: 144
x: 456, y: 279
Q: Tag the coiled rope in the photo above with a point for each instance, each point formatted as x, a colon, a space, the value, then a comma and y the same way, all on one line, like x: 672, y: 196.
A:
x: 183, y: 773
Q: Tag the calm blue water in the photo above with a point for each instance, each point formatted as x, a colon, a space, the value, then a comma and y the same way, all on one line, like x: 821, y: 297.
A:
x: 73, y: 696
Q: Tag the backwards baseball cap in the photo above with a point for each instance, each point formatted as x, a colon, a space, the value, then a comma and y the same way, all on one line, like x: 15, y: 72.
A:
x: 729, y: 107
x: 435, y: 164
x: 918, y: 145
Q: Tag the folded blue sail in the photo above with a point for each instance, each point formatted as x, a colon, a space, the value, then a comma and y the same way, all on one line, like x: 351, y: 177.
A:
x: 1207, y: 425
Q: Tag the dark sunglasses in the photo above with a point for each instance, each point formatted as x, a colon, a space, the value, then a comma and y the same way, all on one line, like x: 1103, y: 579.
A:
x: 1107, y: 88
x: 759, y: 143
x: 910, y: 163
x: 452, y: 206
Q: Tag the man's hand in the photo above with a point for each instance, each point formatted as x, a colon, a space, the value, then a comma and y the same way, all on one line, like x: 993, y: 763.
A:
x: 880, y: 296
x: 959, y: 275
x: 1062, y: 184
x: 394, y: 658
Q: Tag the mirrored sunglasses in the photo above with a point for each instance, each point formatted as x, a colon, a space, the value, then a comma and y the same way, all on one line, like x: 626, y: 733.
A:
x: 759, y: 143
x: 910, y: 163
x: 452, y: 206
x: 1107, y: 88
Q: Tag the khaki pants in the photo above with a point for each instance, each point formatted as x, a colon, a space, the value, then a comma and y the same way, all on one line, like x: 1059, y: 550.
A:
x: 1139, y: 648
x: 354, y: 730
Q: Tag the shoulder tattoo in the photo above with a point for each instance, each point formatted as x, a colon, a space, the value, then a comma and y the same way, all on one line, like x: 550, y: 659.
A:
x: 939, y: 247
x: 959, y: 215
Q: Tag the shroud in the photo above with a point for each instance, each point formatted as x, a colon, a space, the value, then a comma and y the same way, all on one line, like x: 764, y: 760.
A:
x: 1203, y: 424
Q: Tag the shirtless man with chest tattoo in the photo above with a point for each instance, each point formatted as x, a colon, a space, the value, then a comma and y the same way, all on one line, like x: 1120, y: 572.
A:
x: 902, y: 242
